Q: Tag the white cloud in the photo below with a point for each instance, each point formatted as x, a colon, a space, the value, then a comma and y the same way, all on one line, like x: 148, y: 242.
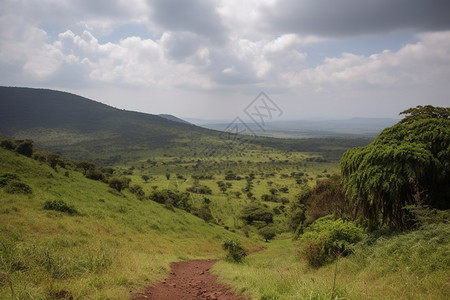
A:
x: 414, y: 64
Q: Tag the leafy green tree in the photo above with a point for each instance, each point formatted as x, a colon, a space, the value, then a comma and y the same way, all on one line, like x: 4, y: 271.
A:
x: 408, y: 163
x: 267, y: 232
x: 119, y: 183
x: 145, y: 178
x: 86, y: 166
x: 256, y: 212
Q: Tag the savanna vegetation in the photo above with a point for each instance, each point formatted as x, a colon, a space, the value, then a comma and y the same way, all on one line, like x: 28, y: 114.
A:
x: 340, y: 217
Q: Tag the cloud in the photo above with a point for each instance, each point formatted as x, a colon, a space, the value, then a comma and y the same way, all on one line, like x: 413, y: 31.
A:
x: 198, y: 17
x: 416, y: 64
x: 330, y: 18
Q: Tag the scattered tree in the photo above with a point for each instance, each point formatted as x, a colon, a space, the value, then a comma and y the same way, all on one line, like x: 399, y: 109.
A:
x: 267, y: 232
x: 119, y: 183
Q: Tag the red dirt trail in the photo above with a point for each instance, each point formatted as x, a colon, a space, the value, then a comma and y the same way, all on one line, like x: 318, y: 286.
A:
x: 189, y: 281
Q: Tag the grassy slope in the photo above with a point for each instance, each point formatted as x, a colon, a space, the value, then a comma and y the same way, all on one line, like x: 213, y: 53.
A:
x: 117, y: 244
x: 414, y: 265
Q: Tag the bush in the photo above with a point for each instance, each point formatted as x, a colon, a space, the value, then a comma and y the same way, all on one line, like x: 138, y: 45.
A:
x: 59, y: 205
x: 200, y: 189
x: 172, y: 198
x: 236, y: 253
x: 25, y: 147
x: 203, y: 212
x: 328, y: 238
x: 137, y: 190
x: 17, y: 187
x: 6, y: 178
x: 7, y: 144
x: 95, y: 174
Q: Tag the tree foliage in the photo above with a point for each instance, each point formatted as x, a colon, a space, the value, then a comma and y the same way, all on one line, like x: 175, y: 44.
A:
x: 408, y: 163
x: 328, y: 238
x: 119, y: 183
x: 267, y: 232
x: 256, y: 212
x: 236, y: 253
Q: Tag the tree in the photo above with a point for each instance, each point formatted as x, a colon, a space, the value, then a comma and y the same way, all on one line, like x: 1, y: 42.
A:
x: 86, y: 166
x: 267, y: 232
x: 145, y: 178
x: 408, y: 163
x: 25, y: 147
x: 256, y: 212
x: 119, y: 183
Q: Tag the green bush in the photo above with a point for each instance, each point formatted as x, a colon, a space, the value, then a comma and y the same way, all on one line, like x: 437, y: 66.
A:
x: 6, y: 178
x: 236, y: 253
x: 17, y: 187
x: 59, y: 205
x: 200, y: 189
x: 137, y: 190
x: 203, y: 212
x: 328, y: 238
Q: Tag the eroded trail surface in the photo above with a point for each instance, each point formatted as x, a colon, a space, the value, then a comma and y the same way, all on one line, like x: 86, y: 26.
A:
x: 190, y: 280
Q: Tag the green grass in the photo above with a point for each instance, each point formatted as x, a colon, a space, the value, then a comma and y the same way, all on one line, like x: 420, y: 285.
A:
x: 413, y: 265
x: 114, y: 245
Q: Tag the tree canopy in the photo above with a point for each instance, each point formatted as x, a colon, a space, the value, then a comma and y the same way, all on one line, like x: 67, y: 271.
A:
x: 408, y: 163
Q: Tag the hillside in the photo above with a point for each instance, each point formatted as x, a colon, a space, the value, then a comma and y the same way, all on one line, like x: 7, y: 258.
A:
x: 75, y: 126
x: 108, y: 245
x: 83, y: 129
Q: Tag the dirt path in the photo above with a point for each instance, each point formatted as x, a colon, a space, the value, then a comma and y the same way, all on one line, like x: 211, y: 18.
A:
x: 190, y: 280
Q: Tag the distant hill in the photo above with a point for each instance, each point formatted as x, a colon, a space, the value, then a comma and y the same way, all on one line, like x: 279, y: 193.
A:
x: 82, y: 128
x: 173, y: 118
x: 355, y: 127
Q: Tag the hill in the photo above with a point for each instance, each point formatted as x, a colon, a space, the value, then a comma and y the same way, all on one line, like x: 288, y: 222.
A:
x: 84, y: 129
x: 173, y: 118
x: 74, y: 126
x: 62, y: 233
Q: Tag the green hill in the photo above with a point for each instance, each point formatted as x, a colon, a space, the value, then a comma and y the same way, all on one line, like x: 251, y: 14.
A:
x: 106, y: 245
x: 83, y: 129
x: 75, y: 126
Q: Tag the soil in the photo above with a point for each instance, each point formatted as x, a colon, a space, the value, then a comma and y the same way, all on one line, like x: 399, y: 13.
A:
x: 190, y: 280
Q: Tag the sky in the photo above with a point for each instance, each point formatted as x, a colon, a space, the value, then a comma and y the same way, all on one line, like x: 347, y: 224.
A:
x: 211, y: 59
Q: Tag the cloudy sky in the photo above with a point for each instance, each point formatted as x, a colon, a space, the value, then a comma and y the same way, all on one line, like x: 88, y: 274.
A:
x: 210, y: 58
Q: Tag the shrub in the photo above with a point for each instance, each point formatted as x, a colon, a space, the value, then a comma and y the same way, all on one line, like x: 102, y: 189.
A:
x: 137, y: 190
x: 7, y: 144
x: 95, y: 174
x: 25, y: 147
x: 203, y: 212
x: 236, y: 253
x: 59, y: 205
x: 200, y: 189
x: 17, y: 187
x: 172, y: 198
x: 6, y: 178
x: 327, y: 238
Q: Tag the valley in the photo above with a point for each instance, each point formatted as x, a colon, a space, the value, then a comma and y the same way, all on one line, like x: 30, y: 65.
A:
x: 97, y: 202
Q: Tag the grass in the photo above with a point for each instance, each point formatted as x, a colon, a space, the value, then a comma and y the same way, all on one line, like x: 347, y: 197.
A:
x: 114, y: 245
x: 414, y: 265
